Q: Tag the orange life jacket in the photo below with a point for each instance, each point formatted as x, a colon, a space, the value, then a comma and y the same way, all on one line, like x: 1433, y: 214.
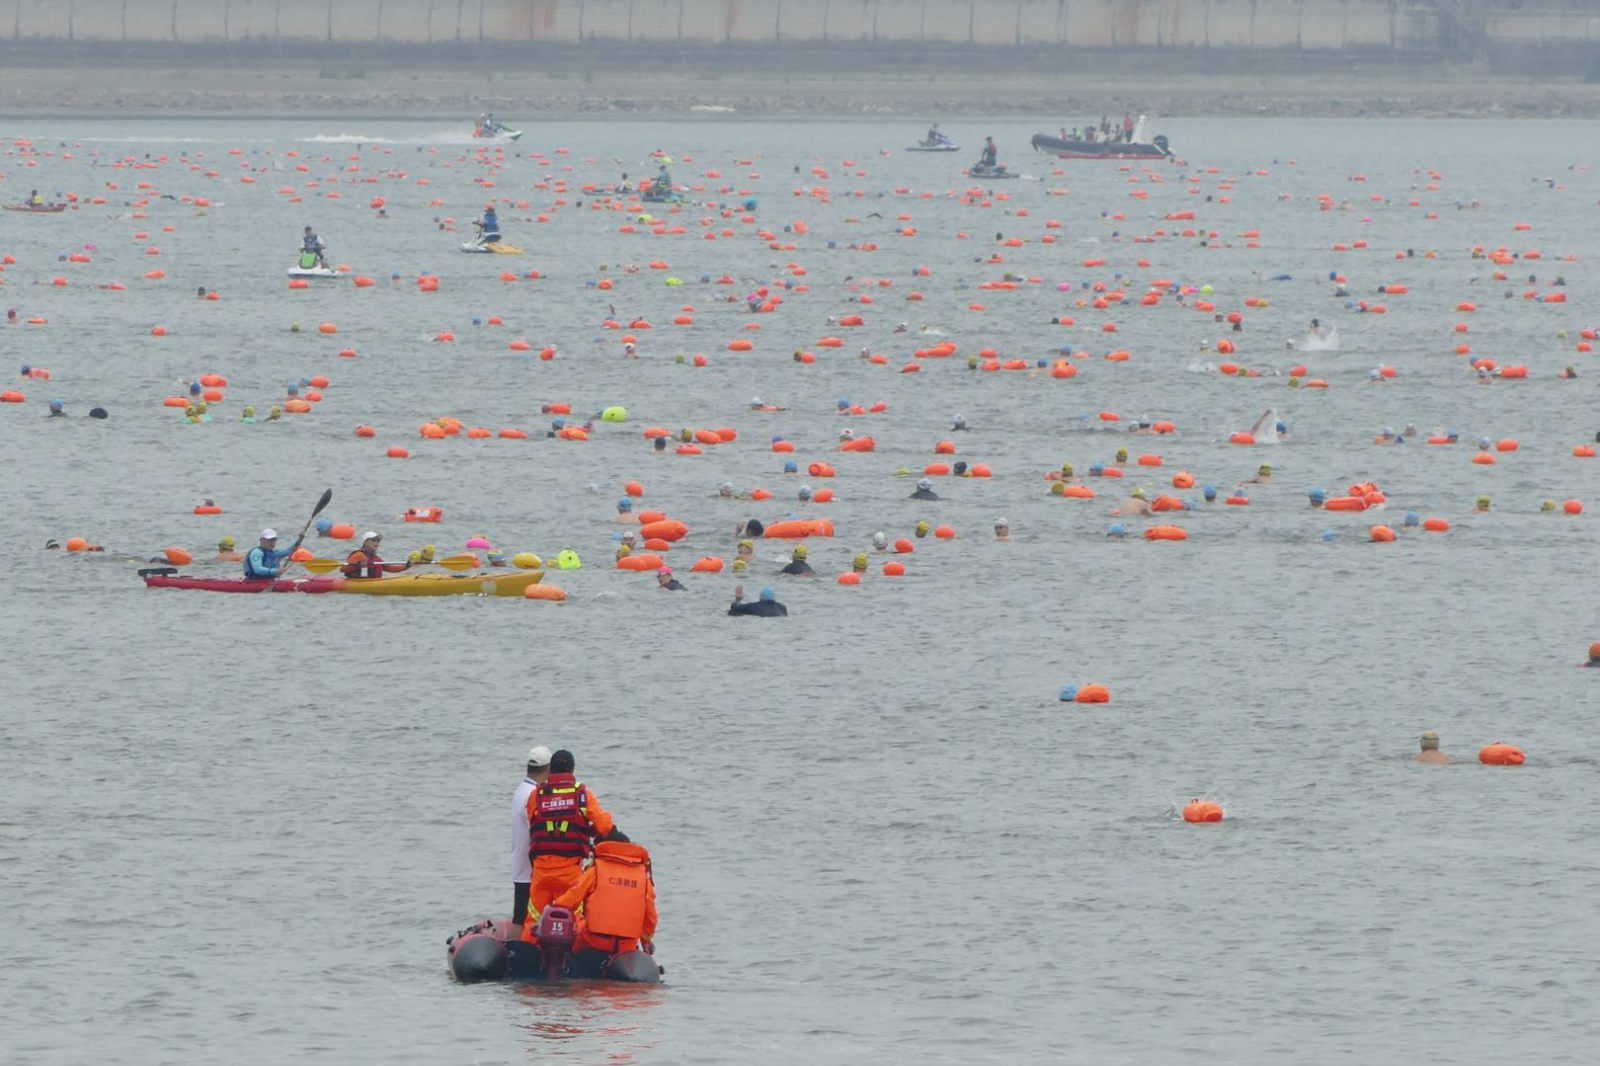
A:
x: 558, y: 820
x: 616, y: 906
x: 360, y: 564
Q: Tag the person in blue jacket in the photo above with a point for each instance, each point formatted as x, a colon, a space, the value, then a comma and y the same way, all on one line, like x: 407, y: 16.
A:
x: 265, y: 560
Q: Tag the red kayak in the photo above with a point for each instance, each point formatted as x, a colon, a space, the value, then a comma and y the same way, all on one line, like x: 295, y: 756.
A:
x: 218, y: 584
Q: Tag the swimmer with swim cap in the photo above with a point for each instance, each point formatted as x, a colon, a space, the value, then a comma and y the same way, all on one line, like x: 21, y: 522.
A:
x: 1002, y: 529
x: 797, y: 563
x: 1430, y: 753
x: 1263, y: 474
x: 625, y: 513
x: 1481, y: 504
x: 924, y: 491
x: 274, y: 413
x: 1593, y: 660
x: 1116, y: 532
x: 859, y: 563
x: 880, y: 541
x: 960, y: 423
x: 921, y: 530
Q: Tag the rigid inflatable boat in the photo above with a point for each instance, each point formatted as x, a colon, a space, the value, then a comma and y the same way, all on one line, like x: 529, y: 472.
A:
x: 493, y: 950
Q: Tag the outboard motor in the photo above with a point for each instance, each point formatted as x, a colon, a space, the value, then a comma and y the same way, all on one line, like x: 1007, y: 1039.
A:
x: 557, y: 931
x: 1160, y: 141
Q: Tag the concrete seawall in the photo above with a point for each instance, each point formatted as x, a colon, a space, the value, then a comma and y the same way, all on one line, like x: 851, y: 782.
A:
x: 1394, y: 26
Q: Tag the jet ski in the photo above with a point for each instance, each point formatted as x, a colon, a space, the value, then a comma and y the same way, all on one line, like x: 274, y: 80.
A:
x: 493, y: 950
x: 309, y: 267
x: 492, y: 244
x: 990, y: 171
x: 495, y: 132
x: 936, y: 142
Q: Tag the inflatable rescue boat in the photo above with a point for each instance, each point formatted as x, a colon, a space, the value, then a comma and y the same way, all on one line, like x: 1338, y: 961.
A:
x: 493, y: 950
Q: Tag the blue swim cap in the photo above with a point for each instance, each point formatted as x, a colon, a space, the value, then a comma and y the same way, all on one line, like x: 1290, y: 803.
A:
x: 57, y: 403
x: 1282, y: 427
x: 1041, y: 363
x: 1096, y: 469
x: 1327, y: 534
x: 476, y: 320
x: 1068, y: 693
x: 843, y: 402
x: 324, y: 524
x: 1412, y: 518
x: 194, y: 388
x: 1452, y: 434
x: 767, y: 595
x: 1211, y: 492
x: 789, y: 466
x: 26, y: 369
x: 1318, y: 495
x: 625, y: 504
x: 1115, y: 530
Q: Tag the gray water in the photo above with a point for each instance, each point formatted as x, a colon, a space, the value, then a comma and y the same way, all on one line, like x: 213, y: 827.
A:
x: 243, y: 826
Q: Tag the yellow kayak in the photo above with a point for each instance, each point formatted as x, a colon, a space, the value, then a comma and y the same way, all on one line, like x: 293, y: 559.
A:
x: 481, y: 583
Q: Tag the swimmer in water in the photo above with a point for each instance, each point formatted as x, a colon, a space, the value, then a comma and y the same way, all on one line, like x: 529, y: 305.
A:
x: 56, y: 410
x: 960, y: 424
x: 1002, y: 530
x: 1593, y: 660
x: 1135, y: 504
x: 859, y: 563
x: 226, y: 552
x: 880, y: 541
x: 924, y: 491
x: 1263, y: 475
x: 797, y: 563
x: 1481, y: 505
x: 921, y: 530
x: 746, y: 552
x: 665, y: 580
x: 765, y: 607
x: 625, y: 515
x: 1430, y: 753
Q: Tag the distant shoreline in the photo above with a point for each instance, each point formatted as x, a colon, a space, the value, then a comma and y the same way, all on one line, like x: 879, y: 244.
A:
x: 854, y: 87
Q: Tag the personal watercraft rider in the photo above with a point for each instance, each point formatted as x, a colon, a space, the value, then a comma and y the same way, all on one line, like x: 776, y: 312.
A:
x: 990, y: 153
x: 311, y: 244
x: 265, y: 561
x: 663, y: 183
x: 364, y: 561
x: 564, y: 821
x: 489, y: 226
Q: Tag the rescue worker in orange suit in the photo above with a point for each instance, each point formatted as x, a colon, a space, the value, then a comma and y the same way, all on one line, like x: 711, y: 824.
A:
x: 618, y: 900
x: 364, y: 561
x: 564, y: 821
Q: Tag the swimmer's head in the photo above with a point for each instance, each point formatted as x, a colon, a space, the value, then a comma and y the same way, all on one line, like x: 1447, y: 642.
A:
x: 1058, y: 488
x: 324, y: 524
x: 805, y: 492
x: 725, y: 489
x: 1264, y: 470
x: 1116, y: 531
x: 790, y: 466
x: 1483, y: 444
x: 799, y: 551
x: 880, y: 540
x: 925, y: 484
x: 922, y: 529
x: 1429, y: 740
x: 1317, y: 495
x: 1413, y: 519
x: 1122, y: 455
x: 624, y: 505
x: 746, y: 546
x: 767, y: 595
x: 226, y: 543
x: 1547, y: 505
x: 1066, y: 468
x: 859, y: 563
x: 1096, y: 469
x: 1482, y: 503
x: 960, y: 421
x: 1137, y: 494
x: 1210, y: 492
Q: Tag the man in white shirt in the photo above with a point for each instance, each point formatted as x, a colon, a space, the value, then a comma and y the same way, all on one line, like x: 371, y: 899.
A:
x: 521, y: 869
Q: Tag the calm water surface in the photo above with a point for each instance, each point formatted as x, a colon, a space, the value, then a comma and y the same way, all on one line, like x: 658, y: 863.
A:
x: 242, y: 827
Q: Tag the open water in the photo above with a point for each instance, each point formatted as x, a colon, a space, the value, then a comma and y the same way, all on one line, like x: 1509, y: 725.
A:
x: 240, y: 828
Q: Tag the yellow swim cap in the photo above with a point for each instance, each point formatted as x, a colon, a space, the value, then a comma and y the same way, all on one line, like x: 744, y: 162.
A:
x: 227, y: 542
x: 860, y: 561
x: 1483, y: 503
x: 922, y: 529
x: 1066, y: 469
x: 799, y: 551
x: 1548, y: 505
x: 1122, y: 455
x: 1266, y: 468
x: 1058, y: 488
x: 687, y: 434
x: 623, y: 551
x: 427, y: 553
x: 747, y: 544
x: 1138, y: 494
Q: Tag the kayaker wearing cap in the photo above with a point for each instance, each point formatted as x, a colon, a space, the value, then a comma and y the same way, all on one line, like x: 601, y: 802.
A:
x: 798, y: 564
x: 665, y: 580
x: 765, y: 607
x: 564, y: 821
x: 1429, y: 743
x: 924, y: 491
x: 521, y: 868
x: 226, y: 552
x: 364, y: 561
x: 265, y: 560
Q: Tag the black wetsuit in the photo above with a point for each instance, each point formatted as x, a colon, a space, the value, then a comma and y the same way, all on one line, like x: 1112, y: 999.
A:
x: 799, y: 566
x: 761, y: 609
x: 925, y: 494
x: 673, y: 586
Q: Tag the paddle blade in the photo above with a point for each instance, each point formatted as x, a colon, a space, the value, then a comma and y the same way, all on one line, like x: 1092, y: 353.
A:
x: 322, y: 566
x: 459, y: 562
x: 327, y: 498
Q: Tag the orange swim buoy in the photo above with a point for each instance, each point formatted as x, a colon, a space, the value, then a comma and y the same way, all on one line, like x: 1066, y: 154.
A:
x: 178, y: 557
x: 708, y: 564
x: 1345, y: 503
x: 1501, y: 754
x: 849, y: 577
x: 1436, y: 525
x: 893, y: 568
x: 342, y: 531
x: 544, y: 592
x: 1202, y: 811
x: 1381, y: 534
x: 1093, y: 692
x: 642, y: 561
x: 1183, y: 480
x: 797, y: 528
x: 668, y: 529
x: 397, y: 453
x: 423, y: 514
x: 1166, y: 533
x: 1241, y: 438
x: 207, y: 509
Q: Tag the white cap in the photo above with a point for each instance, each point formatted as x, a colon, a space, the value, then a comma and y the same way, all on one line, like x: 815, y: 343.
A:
x: 539, y: 755
x: 1001, y: 521
x: 369, y: 535
x: 269, y: 534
